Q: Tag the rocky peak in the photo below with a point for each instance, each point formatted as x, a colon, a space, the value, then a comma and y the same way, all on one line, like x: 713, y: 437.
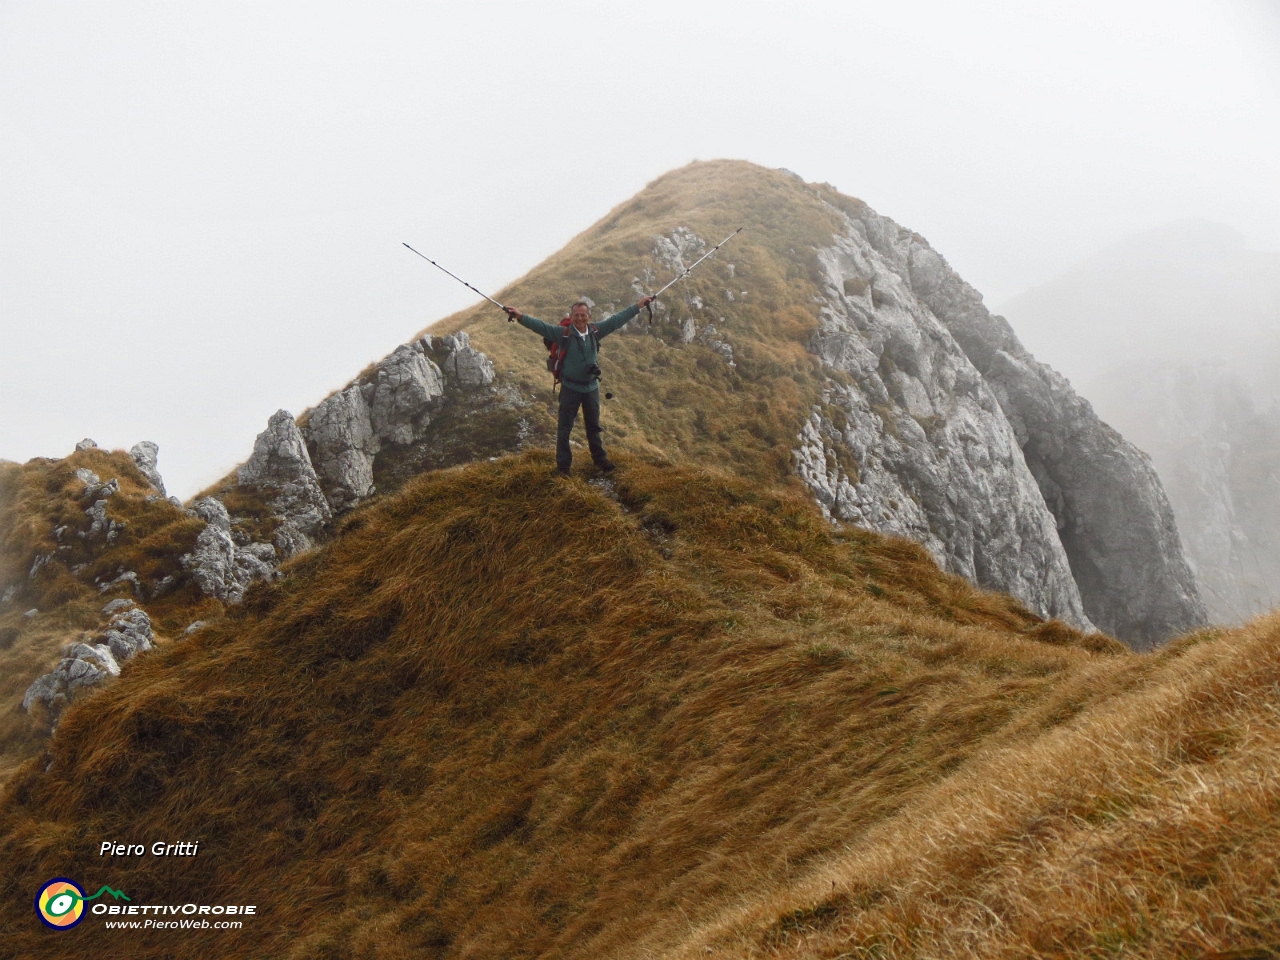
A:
x: 915, y: 443
x: 1109, y: 509
x: 924, y: 416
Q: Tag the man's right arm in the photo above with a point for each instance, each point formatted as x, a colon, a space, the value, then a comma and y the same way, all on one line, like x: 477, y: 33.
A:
x: 534, y: 324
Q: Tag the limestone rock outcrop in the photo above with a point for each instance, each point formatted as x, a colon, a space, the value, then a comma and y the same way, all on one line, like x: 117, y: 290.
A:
x: 953, y: 434
x: 219, y: 566
x: 347, y: 430
x: 128, y: 633
x: 145, y: 454
x: 85, y: 666
x: 465, y: 365
x: 385, y: 423
x: 281, y: 467
x: 101, y: 527
x: 916, y: 444
x: 342, y: 445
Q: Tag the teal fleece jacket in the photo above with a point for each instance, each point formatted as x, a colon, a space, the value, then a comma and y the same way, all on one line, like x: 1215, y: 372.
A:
x: 582, y: 355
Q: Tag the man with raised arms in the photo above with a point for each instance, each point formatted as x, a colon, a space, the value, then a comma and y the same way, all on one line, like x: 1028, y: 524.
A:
x: 579, y: 342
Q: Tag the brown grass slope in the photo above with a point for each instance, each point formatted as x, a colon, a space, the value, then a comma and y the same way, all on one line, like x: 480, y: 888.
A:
x: 1147, y: 826
x: 35, y: 499
x: 508, y: 716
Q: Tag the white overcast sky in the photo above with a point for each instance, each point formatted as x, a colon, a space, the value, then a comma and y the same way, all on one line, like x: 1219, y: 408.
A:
x: 202, y: 204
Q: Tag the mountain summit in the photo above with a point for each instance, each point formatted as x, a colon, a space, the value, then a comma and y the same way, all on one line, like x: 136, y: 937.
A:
x: 828, y: 344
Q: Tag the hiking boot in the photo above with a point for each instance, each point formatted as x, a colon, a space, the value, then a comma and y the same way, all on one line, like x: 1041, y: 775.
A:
x: 563, y: 471
x: 605, y: 465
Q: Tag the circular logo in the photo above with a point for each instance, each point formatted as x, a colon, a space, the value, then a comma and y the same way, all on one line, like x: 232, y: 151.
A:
x: 60, y: 903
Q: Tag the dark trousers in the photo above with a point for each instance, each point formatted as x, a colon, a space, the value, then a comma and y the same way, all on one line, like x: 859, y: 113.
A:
x: 570, y: 401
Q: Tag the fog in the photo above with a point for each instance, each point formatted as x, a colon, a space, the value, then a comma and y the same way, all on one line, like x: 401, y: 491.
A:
x: 202, y: 205
x: 1187, y: 292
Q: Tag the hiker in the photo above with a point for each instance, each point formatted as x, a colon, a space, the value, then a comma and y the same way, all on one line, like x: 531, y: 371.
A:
x: 579, y: 344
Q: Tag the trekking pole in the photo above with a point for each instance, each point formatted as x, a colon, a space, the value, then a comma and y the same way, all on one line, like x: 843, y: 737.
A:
x: 689, y: 269
x: 459, y: 279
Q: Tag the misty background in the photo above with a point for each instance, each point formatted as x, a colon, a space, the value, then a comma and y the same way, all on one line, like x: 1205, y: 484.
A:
x: 202, y: 205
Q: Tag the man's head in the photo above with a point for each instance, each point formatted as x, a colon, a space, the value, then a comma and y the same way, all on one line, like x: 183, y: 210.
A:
x: 580, y: 314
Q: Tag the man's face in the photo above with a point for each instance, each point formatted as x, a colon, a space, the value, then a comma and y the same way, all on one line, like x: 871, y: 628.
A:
x: 580, y: 316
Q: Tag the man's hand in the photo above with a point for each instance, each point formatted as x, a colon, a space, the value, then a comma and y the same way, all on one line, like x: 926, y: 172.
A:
x: 645, y: 301
x: 512, y: 314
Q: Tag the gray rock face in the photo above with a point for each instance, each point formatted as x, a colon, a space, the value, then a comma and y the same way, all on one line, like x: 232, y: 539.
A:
x: 342, y: 444
x: 129, y: 633
x: 85, y: 666
x: 98, y: 654
x: 219, y: 567
x: 404, y: 385
x: 145, y: 454
x: 393, y: 407
x: 1010, y: 470
x: 86, y: 444
x: 918, y: 445
x: 679, y: 249
x: 281, y: 464
x: 465, y: 366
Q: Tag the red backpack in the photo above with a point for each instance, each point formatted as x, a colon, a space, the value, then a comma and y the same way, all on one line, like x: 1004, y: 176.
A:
x: 556, y: 350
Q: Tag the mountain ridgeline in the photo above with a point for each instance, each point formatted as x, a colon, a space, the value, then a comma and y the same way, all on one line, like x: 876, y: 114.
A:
x: 416, y: 695
x: 826, y: 343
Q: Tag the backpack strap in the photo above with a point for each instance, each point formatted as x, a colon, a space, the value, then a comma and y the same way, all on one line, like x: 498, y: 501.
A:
x: 592, y: 331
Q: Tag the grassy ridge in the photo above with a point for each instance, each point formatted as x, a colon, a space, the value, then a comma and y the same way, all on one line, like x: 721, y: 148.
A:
x: 504, y: 714
x: 450, y: 733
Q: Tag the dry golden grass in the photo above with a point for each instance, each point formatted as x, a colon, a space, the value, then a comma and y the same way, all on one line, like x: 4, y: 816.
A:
x: 1144, y: 826
x: 504, y: 715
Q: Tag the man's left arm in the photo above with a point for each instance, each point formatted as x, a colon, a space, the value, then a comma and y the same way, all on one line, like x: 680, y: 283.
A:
x: 622, y: 317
